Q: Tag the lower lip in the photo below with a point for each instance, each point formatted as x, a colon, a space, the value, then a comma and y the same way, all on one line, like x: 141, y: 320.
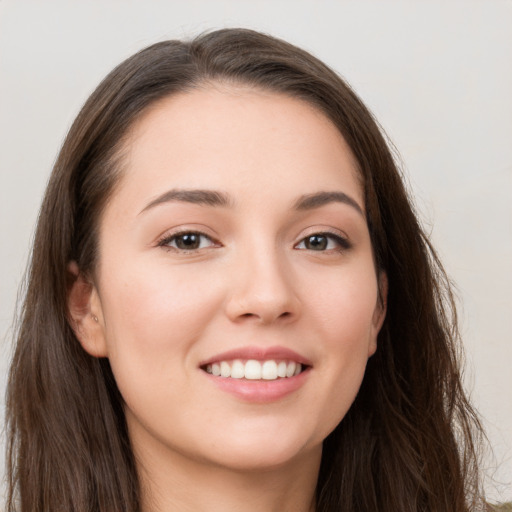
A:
x: 260, y: 391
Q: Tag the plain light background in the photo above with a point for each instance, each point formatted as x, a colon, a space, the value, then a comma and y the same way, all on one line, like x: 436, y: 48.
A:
x: 437, y: 75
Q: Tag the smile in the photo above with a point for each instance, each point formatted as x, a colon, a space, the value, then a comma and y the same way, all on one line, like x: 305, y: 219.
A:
x: 253, y: 369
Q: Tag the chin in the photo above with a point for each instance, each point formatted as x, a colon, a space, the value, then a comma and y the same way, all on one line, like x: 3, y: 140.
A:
x: 265, y: 449
x: 256, y: 459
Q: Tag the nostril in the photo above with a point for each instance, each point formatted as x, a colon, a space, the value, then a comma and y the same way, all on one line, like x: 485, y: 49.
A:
x: 265, y: 318
x: 263, y: 307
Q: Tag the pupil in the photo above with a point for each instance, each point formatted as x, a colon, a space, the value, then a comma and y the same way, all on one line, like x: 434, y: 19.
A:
x: 189, y: 241
x: 316, y: 242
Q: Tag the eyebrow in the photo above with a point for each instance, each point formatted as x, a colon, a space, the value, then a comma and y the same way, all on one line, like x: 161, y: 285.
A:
x: 200, y: 197
x: 318, y: 199
x: 216, y: 198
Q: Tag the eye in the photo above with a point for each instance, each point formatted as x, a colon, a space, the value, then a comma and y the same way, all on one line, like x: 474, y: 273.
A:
x: 323, y: 242
x: 187, y: 241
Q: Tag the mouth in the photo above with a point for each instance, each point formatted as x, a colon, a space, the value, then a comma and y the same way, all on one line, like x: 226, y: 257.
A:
x: 253, y: 369
x: 258, y: 374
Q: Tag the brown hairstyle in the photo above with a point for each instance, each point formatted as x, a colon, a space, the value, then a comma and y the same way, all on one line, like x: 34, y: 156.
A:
x: 409, y: 441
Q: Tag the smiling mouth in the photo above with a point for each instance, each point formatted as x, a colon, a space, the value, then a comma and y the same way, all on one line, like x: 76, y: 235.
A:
x: 253, y: 369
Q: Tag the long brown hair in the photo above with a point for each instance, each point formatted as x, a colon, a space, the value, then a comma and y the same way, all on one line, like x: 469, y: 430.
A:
x: 408, y: 443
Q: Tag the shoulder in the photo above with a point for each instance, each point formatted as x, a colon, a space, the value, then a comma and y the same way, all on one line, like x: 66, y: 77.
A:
x: 505, y: 507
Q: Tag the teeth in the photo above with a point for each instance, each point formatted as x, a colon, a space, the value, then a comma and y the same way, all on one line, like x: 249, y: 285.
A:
x: 237, y: 370
x: 290, y: 369
x: 255, y: 370
x: 269, y: 370
x: 225, y: 370
x: 216, y: 369
x: 281, y: 369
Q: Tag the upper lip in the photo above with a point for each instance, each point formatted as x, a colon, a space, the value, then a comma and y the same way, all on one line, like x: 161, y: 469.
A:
x: 258, y: 353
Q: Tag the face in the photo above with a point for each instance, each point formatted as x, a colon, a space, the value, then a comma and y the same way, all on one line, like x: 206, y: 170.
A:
x: 236, y: 295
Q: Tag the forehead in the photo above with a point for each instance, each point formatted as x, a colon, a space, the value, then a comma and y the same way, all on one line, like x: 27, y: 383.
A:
x: 224, y: 136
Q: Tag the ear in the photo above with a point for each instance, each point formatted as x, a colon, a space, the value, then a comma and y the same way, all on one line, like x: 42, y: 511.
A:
x: 379, y: 313
x: 85, y: 313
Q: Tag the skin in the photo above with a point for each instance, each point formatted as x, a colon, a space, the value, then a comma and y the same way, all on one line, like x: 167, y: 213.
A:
x: 157, y: 311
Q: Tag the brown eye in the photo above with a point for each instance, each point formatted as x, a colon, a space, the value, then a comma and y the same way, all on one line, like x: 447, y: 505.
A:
x: 187, y: 241
x: 316, y: 243
x: 323, y: 242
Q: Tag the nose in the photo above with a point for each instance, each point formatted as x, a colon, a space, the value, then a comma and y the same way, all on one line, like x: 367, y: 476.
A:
x: 263, y: 290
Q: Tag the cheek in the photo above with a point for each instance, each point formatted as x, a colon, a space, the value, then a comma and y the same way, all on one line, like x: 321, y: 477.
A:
x: 344, y: 319
x: 153, y: 318
x: 153, y: 322
x: 345, y: 307
x: 149, y: 301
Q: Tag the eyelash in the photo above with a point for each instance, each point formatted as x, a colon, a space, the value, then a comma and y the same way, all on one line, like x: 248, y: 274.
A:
x: 342, y: 243
x: 167, y: 240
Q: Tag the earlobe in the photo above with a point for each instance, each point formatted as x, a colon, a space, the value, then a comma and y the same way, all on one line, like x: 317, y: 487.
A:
x: 84, y: 312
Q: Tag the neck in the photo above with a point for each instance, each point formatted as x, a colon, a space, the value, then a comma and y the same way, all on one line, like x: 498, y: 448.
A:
x: 179, y: 484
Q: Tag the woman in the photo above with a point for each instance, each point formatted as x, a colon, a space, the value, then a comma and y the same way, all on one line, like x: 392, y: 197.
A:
x: 231, y: 303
